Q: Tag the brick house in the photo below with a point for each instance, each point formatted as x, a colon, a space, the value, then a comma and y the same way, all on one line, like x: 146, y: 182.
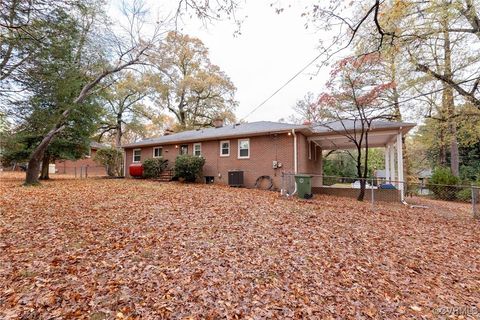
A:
x: 73, y: 167
x: 259, y: 148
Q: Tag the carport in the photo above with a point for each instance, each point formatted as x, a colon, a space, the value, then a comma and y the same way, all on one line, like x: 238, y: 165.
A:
x: 341, y: 135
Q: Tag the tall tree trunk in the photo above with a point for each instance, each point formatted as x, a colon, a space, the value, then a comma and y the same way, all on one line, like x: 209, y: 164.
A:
x: 44, y: 175
x: 449, y: 105
x: 442, y: 156
x: 363, y: 182
x: 361, y: 194
x: 33, y: 170
x: 119, y: 133
x: 360, y: 173
x: 454, y: 153
x: 183, y: 120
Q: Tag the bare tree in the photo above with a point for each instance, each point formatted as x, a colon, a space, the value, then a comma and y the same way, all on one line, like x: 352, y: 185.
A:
x: 123, y: 106
x: 414, y: 25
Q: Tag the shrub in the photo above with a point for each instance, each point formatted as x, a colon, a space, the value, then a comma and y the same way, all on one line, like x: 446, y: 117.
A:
x: 111, y: 158
x: 442, y: 183
x: 188, y: 167
x: 152, y: 168
x: 464, y: 195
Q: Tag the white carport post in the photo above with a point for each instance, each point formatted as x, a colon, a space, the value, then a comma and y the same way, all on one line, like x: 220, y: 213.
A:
x: 387, y: 163
x: 392, y: 164
x: 401, y: 183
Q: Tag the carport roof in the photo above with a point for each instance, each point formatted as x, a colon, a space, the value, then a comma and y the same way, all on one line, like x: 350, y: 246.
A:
x: 338, y: 126
x: 337, y: 134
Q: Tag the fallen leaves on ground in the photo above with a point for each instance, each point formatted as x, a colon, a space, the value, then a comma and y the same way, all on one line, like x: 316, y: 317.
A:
x: 133, y: 249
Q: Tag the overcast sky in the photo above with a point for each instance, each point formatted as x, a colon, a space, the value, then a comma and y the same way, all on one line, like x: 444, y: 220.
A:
x: 270, y: 50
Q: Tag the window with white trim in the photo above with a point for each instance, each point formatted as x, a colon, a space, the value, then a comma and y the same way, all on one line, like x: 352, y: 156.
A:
x: 243, y: 148
x: 157, y: 152
x: 137, y: 155
x: 197, y: 149
x: 225, y: 148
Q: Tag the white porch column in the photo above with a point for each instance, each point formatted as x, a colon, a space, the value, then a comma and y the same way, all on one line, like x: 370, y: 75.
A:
x: 401, y: 185
x: 387, y: 163
x: 392, y: 164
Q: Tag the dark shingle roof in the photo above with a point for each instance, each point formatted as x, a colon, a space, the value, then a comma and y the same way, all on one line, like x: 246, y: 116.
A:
x: 227, y: 131
x: 262, y: 127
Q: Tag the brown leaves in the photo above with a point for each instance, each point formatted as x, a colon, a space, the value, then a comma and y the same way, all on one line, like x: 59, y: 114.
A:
x: 130, y: 249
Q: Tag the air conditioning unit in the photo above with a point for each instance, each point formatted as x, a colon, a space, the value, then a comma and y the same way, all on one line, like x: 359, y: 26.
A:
x: 235, y: 178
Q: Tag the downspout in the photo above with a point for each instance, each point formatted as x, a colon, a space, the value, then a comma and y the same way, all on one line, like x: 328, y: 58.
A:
x: 295, y: 153
x: 295, y: 159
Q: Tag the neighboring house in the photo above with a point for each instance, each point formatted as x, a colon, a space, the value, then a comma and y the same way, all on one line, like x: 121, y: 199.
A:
x: 75, y: 167
x: 264, y: 148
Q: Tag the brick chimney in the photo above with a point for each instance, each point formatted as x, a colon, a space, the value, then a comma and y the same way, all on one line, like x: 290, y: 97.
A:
x: 168, y: 132
x: 218, y: 122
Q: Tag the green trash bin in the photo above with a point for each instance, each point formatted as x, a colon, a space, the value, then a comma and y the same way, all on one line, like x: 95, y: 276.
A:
x: 304, y: 185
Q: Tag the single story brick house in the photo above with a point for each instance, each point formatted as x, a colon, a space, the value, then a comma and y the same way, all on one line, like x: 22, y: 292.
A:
x: 264, y: 148
x: 73, y: 167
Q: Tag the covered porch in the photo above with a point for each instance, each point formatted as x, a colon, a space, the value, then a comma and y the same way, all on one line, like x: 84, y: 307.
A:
x: 386, y: 135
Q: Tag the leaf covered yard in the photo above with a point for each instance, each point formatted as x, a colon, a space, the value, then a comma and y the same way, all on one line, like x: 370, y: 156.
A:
x: 133, y: 249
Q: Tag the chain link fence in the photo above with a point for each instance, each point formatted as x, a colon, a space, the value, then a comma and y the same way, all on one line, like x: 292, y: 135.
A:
x: 445, y: 199
x: 82, y: 171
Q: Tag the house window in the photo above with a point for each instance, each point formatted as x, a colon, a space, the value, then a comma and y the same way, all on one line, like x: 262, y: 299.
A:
x: 225, y: 148
x: 197, y: 149
x: 137, y: 155
x: 157, y: 152
x: 244, y: 148
x: 184, y: 149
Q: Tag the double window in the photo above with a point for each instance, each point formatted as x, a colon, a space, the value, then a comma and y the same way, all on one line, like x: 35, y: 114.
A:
x: 137, y: 155
x: 197, y: 149
x: 243, y: 148
x: 225, y: 148
x: 157, y: 152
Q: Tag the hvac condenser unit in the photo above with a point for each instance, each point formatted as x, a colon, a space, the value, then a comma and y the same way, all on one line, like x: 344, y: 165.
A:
x: 235, y: 178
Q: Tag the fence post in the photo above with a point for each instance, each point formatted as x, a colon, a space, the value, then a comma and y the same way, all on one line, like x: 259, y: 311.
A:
x: 475, y: 195
x: 373, y: 197
x: 86, y: 172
